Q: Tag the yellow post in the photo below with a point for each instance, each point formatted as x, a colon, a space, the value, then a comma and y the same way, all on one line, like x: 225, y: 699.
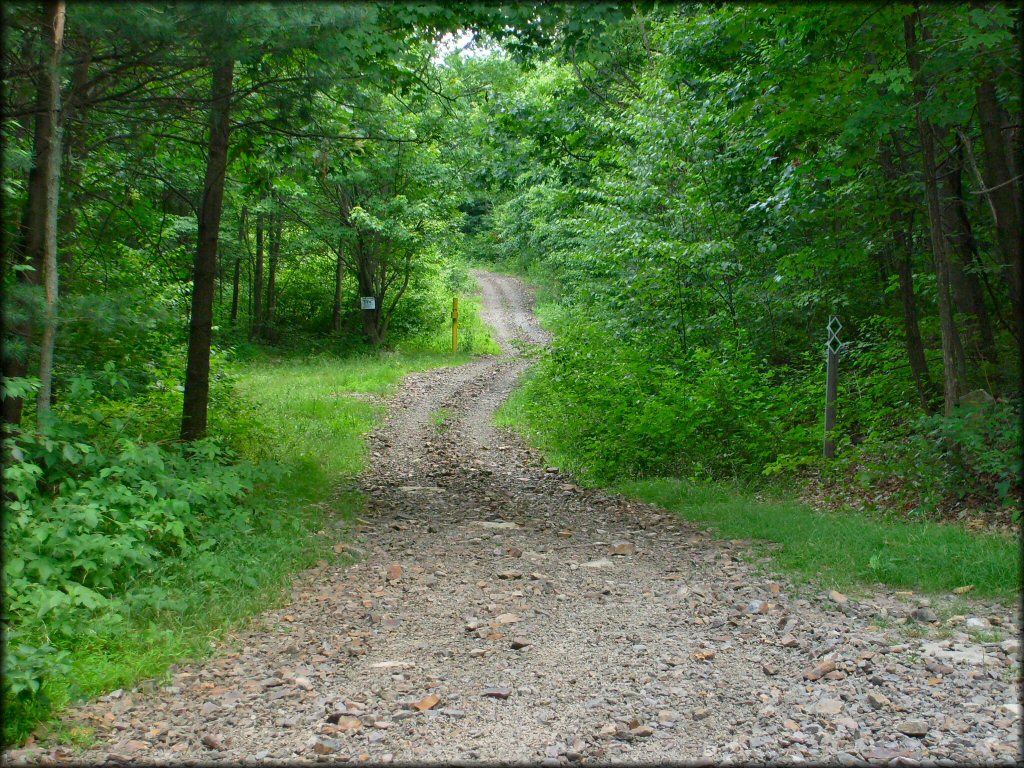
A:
x: 455, y: 325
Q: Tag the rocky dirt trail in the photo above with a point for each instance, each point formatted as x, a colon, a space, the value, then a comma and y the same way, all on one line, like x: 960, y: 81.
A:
x: 499, y: 612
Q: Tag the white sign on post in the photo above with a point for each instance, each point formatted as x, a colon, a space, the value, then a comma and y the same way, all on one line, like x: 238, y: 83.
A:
x: 368, y: 302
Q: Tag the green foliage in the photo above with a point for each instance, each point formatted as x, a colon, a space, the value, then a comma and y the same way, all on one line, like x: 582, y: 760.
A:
x: 972, y: 456
x: 84, y: 525
x: 613, y: 414
x: 702, y: 187
x: 698, y: 187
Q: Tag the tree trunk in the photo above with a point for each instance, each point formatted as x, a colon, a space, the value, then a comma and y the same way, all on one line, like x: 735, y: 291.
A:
x: 197, y: 370
x: 339, y: 282
x: 29, y: 246
x: 234, y: 289
x: 1003, y: 192
x: 903, y: 261
x: 235, y: 283
x: 275, y: 252
x: 950, y: 341
x: 371, y: 317
x: 48, y: 157
x: 967, y: 290
x: 256, y: 319
x: 912, y: 330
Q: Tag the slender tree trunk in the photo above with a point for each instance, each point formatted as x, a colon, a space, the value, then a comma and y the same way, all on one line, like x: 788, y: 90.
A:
x: 74, y: 148
x: 339, y: 282
x: 967, y: 291
x: 274, y: 255
x: 950, y: 342
x: 257, y: 289
x: 197, y: 370
x: 912, y: 330
x: 234, y: 289
x: 1003, y: 191
x: 903, y: 260
x: 248, y: 286
x: 15, y: 366
x: 371, y: 317
x: 235, y: 283
x: 29, y: 246
x: 49, y: 155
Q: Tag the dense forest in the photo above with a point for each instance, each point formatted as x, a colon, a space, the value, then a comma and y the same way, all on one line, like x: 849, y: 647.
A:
x: 697, y: 189
x: 707, y: 188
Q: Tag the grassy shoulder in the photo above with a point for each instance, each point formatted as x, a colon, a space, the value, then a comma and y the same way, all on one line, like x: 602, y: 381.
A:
x: 306, y: 418
x: 840, y: 550
x: 844, y: 550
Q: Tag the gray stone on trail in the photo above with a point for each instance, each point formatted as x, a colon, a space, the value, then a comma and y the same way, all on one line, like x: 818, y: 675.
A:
x: 915, y: 728
x: 828, y: 707
x: 325, y: 746
x: 973, y: 655
x: 877, y: 700
x: 924, y: 614
x: 603, y: 562
x: 497, y: 692
x: 845, y: 758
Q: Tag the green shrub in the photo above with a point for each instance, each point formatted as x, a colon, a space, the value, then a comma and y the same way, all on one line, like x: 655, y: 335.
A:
x: 83, y: 523
x: 974, y: 454
x: 615, y: 411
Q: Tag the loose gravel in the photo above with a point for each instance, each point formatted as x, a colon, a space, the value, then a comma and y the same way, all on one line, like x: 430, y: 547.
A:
x: 499, y: 612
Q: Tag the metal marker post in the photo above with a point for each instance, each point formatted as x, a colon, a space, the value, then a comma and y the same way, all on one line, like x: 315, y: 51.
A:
x: 833, y: 345
x: 455, y: 325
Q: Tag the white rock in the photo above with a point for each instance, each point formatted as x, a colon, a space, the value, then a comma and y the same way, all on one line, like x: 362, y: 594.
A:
x: 974, y: 655
x: 973, y: 622
x: 1011, y: 708
x: 828, y: 707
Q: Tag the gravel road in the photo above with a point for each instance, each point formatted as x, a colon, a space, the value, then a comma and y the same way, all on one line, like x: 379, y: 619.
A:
x: 498, y: 612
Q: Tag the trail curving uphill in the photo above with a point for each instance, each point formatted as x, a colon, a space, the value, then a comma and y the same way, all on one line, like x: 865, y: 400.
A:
x: 501, y: 613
